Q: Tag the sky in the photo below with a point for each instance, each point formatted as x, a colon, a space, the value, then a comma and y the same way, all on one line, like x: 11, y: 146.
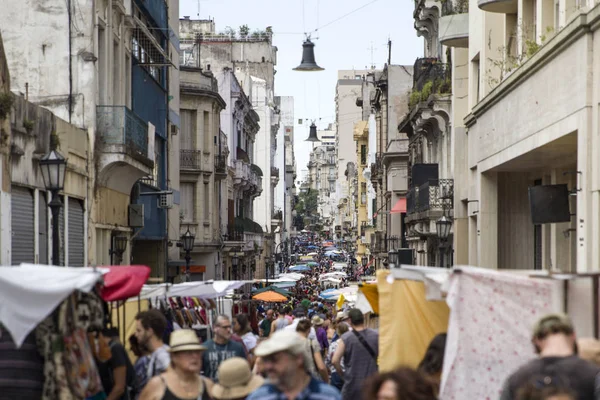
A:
x: 355, y: 41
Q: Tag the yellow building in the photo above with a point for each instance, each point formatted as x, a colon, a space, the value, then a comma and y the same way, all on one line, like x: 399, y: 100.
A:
x: 361, y: 137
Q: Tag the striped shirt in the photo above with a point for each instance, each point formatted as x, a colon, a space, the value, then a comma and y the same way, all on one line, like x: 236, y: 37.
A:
x: 315, y: 390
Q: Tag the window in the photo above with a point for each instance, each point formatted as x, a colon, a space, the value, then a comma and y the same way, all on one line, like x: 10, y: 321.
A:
x: 363, y: 193
x: 116, y: 78
x: 102, y: 65
x: 537, y: 240
x: 188, y: 194
x: 208, y: 137
x: 188, y: 129
x: 363, y: 154
x: 206, y: 202
x: 332, y: 187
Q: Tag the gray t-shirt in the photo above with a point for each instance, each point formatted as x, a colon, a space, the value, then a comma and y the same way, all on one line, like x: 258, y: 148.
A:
x: 358, y: 361
x: 215, y: 354
x: 159, y: 361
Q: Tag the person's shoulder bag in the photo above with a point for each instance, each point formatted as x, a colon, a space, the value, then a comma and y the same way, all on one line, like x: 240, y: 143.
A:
x: 362, y: 341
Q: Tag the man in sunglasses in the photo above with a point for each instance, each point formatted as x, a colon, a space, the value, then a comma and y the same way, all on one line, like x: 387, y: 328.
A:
x: 220, y: 348
x: 558, y: 366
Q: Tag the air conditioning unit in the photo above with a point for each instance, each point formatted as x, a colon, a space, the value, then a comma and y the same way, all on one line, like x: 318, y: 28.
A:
x: 165, y: 200
x: 173, y: 130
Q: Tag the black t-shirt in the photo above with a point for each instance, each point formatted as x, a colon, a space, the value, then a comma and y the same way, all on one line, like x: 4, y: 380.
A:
x: 577, y: 374
x: 118, y: 359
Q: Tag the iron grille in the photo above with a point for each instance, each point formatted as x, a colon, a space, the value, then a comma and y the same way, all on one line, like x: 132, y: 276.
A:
x: 190, y: 159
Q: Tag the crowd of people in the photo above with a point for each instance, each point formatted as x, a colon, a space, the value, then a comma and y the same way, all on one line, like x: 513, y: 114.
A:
x: 304, y: 349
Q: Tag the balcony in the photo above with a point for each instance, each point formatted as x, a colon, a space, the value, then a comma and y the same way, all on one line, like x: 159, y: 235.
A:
x: 244, y: 230
x: 332, y: 176
x: 220, y: 166
x: 274, y: 176
x: 381, y: 243
x: 190, y: 160
x: 434, y: 195
x: 499, y: 6
x: 431, y: 77
x: 241, y: 176
x: 124, y: 146
x: 454, y: 30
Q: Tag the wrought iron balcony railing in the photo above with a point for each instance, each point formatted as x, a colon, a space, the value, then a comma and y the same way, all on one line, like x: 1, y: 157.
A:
x: 436, y: 194
x: 118, y: 125
x: 431, y: 72
x: 220, y: 164
x: 275, y: 172
x: 190, y: 160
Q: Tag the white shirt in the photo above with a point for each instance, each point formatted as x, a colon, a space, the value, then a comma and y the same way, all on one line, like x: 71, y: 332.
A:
x: 294, y: 324
x: 249, y: 340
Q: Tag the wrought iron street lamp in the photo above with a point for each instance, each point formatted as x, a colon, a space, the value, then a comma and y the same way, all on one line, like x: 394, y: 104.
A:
x: 234, y: 264
x: 119, y: 245
x: 187, y: 239
x: 53, y: 167
x: 443, y: 226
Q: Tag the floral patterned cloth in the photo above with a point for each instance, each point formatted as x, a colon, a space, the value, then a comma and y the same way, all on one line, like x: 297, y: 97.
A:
x: 489, y: 332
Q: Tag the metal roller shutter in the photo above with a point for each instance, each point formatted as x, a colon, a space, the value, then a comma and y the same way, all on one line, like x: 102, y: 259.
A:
x: 76, y: 233
x: 43, y: 228
x: 22, y: 223
x: 61, y: 232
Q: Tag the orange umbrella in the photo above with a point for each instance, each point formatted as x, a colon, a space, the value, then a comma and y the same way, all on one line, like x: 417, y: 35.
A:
x: 270, y: 297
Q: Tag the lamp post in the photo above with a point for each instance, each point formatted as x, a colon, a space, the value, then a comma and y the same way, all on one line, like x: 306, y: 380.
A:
x: 187, y: 239
x: 53, y: 167
x: 234, y: 264
x: 443, y: 226
x: 119, y: 245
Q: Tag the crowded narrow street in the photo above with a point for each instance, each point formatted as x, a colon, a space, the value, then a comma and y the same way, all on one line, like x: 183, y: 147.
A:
x: 299, y: 200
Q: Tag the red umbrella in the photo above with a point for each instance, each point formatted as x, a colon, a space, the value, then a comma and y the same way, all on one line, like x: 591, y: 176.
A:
x: 123, y: 282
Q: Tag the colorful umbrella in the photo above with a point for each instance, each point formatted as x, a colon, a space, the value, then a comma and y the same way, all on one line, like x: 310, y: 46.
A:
x: 270, y: 297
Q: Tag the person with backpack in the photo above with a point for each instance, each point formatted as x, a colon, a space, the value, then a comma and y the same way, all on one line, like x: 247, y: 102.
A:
x: 116, y: 373
x: 360, y: 349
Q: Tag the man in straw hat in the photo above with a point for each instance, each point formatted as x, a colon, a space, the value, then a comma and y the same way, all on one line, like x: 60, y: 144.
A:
x: 285, y: 365
x: 182, y: 380
x: 236, y: 381
x: 558, y: 365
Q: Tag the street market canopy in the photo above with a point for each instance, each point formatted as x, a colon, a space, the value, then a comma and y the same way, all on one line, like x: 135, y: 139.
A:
x: 30, y: 292
x: 270, y: 297
x: 201, y: 290
x: 273, y: 289
x: 299, y: 268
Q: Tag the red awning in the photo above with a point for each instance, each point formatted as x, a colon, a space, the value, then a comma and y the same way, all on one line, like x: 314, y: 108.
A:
x: 399, y: 207
x: 123, y: 282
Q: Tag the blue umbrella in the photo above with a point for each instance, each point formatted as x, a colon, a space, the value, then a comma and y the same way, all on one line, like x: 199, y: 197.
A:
x: 311, y: 247
x: 299, y: 268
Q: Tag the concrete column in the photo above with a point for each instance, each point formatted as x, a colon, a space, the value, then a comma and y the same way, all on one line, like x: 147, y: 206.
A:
x: 487, y: 244
x: 545, y: 19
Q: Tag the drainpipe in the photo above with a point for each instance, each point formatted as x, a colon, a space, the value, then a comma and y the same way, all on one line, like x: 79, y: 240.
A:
x: 70, y: 62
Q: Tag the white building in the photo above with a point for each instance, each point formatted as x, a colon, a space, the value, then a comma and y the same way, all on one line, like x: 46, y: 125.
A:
x: 327, y: 136
x: 286, y: 161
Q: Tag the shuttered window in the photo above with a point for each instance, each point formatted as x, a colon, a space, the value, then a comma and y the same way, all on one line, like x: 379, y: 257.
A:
x: 43, y: 229
x: 188, y: 193
x: 188, y: 129
x: 22, y: 222
x: 76, y: 233
x: 61, y: 227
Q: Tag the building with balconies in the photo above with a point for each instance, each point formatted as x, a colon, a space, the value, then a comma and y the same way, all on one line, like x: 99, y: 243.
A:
x: 107, y: 74
x: 385, y: 100
x: 201, y: 150
x: 322, y: 167
x: 531, y: 119
x: 361, y: 137
x: 286, y: 192
x: 252, y: 58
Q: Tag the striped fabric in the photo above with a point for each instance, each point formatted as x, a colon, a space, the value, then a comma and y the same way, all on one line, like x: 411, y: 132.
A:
x: 21, y: 370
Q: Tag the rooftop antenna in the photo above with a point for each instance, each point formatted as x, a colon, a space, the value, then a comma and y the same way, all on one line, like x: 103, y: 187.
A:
x: 372, y: 48
x: 389, y: 51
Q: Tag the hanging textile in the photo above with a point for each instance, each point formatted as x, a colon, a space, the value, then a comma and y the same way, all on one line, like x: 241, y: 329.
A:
x: 490, y: 329
x: 407, y: 321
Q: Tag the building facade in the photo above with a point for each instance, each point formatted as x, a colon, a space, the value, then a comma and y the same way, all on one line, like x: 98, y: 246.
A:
x: 203, y: 168
x: 115, y: 87
x: 322, y: 168
x: 361, y: 137
x: 348, y: 90
x: 252, y: 59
